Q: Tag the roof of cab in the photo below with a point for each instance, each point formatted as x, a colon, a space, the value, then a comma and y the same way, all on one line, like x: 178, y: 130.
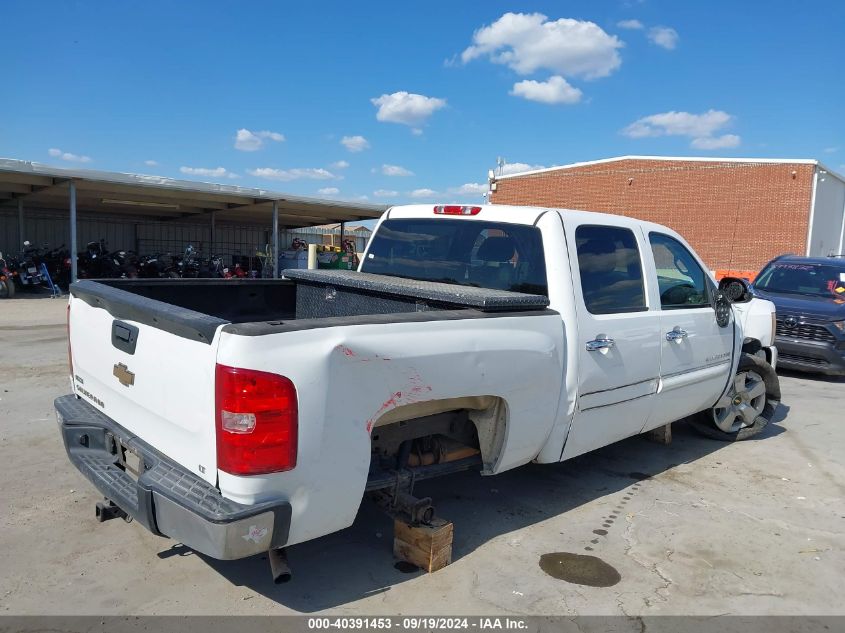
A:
x: 524, y: 215
x: 509, y: 213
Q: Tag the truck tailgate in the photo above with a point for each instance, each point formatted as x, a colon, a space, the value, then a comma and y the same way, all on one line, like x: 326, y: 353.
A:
x: 158, y: 385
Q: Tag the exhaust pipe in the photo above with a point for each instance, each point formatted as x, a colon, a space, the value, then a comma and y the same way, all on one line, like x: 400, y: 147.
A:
x: 279, y: 567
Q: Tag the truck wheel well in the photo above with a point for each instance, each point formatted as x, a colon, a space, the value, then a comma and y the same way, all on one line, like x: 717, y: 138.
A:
x: 480, y: 424
x: 753, y: 347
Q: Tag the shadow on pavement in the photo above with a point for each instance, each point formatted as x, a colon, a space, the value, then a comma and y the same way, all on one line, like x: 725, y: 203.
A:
x: 357, y: 562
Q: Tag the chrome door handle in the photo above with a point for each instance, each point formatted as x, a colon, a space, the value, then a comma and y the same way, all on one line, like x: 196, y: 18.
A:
x: 600, y: 344
x: 676, y: 334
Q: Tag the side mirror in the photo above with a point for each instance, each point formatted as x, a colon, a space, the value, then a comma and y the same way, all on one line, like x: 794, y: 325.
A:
x: 736, y: 289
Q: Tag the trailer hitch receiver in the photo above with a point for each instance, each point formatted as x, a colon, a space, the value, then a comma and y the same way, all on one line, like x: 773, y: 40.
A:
x: 106, y: 510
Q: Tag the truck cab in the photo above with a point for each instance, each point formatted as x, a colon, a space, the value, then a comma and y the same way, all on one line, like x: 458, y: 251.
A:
x: 636, y: 303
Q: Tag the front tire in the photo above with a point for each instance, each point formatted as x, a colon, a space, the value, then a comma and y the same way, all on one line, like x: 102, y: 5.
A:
x: 747, y: 407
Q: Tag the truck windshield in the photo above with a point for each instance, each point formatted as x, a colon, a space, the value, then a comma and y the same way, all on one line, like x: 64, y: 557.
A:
x: 493, y: 255
x: 822, y: 280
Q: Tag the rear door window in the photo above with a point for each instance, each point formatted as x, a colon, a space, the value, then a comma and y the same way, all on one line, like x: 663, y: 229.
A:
x: 611, y: 269
x: 493, y: 255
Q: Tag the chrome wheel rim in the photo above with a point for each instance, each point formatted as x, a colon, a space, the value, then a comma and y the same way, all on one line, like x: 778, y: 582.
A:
x: 743, y: 403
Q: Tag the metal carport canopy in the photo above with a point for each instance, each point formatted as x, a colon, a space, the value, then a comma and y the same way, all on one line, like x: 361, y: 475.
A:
x: 160, y: 199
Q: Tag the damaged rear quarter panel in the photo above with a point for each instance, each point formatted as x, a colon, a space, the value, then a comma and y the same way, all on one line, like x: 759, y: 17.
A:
x: 348, y: 376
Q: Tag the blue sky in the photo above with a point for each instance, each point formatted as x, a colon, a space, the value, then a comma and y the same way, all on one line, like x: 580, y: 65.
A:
x: 399, y: 101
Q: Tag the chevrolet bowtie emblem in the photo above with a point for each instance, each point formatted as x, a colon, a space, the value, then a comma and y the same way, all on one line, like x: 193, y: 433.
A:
x: 122, y: 373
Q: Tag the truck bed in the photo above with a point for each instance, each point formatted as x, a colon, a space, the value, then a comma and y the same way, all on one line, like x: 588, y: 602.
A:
x: 195, y: 308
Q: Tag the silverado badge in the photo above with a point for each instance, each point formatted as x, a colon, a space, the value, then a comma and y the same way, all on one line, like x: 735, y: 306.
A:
x: 122, y: 373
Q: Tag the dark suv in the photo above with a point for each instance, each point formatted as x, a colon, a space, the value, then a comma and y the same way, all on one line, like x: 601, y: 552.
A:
x: 809, y: 295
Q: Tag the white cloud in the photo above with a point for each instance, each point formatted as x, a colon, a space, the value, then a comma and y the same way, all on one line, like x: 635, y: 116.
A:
x: 151, y: 163
x: 516, y: 168
x: 702, y: 128
x: 208, y: 172
x: 363, y: 197
x: 355, y: 143
x: 395, y: 170
x: 423, y: 193
x: 630, y: 24
x: 341, y: 164
x: 664, y: 37
x: 328, y: 191
x: 416, y: 131
x: 678, y: 124
x: 71, y: 158
x: 247, y: 141
x: 385, y: 193
x: 470, y: 189
x: 406, y: 108
x: 554, y: 91
x: 527, y: 42
x: 286, y: 175
x: 831, y: 150
x: 716, y: 142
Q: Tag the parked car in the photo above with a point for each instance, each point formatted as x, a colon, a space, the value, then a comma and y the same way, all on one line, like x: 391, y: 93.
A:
x: 809, y: 294
x: 258, y: 415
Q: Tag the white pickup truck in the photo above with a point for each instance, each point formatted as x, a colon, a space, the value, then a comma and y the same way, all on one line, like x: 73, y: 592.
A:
x: 243, y: 416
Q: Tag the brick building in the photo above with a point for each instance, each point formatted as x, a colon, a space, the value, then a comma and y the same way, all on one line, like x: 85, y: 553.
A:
x: 736, y: 212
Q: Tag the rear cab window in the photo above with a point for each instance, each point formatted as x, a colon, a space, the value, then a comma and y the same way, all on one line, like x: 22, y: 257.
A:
x: 611, y: 269
x: 494, y: 255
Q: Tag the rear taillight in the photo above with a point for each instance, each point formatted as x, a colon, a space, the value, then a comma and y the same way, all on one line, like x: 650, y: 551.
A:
x: 257, y: 421
x: 456, y: 209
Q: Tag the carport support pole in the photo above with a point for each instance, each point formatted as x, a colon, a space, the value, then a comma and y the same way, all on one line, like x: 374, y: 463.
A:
x: 20, y: 223
x: 213, y: 222
x: 73, y: 249
x: 275, y: 239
